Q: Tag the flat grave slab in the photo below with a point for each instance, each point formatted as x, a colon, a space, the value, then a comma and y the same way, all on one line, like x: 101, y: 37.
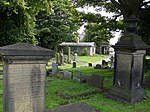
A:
x: 74, y: 107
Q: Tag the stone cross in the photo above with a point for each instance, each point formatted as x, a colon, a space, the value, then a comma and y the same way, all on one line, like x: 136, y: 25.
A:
x: 24, y: 77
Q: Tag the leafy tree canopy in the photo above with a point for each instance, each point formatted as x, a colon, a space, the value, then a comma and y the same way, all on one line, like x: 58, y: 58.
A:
x: 120, y: 7
x: 17, y: 18
x: 61, y: 25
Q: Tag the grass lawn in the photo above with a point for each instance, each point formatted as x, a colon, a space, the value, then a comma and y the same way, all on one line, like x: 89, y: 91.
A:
x: 98, y: 101
x: 90, y: 70
x: 82, y: 61
x: 1, y: 96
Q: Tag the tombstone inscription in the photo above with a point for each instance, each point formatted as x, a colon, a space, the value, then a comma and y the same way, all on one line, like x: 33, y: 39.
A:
x: 24, y: 77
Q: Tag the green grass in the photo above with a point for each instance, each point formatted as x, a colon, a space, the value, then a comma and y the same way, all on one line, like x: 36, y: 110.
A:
x: 82, y: 61
x: 91, y: 70
x: 91, y: 59
x: 69, y: 87
x: 98, y: 101
x: 1, y: 96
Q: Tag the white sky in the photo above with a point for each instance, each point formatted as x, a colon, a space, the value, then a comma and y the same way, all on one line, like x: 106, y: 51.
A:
x: 103, y: 13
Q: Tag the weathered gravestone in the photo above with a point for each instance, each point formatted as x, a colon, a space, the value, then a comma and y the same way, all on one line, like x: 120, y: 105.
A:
x: 77, y: 75
x: 75, y: 57
x: 74, y: 65
x: 75, y: 107
x: 61, y: 57
x: 112, y: 62
x: 96, y: 80
x: 90, y: 64
x: 54, y: 68
x: 98, y: 66
x: 85, y: 78
x: 24, y: 77
x: 104, y: 64
x: 69, y: 55
x: 68, y: 74
x: 60, y: 74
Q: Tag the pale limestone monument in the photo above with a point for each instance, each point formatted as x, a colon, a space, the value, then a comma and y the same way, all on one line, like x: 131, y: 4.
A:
x: 24, y: 77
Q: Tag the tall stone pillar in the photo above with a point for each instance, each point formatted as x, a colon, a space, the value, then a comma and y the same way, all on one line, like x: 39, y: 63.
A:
x: 24, y: 77
x: 129, y: 68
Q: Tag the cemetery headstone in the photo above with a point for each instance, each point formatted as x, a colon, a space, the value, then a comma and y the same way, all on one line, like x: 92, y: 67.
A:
x: 75, y: 57
x: 98, y: 66
x: 61, y: 57
x: 112, y: 62
x: 85, y: 78
x: 60, y: 74
x: 77, y: 75
x: 69, y: 55
x: 96, y: 80
x: 58, y: 58
x: 74, y: 65
x: 104, y: 64
x: 90, y: 64
x: 68, y: 74
x: 24, y: 77
x: 75, y: 107
x: 54, y: 68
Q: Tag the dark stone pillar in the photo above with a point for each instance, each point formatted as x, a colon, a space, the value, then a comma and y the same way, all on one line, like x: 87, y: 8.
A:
x: 129, y: 67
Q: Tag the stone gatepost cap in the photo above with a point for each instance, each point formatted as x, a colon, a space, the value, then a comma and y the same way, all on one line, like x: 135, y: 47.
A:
x: 24, y: 49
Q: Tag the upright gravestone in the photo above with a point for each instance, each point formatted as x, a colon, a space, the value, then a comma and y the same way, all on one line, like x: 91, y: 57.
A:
x: 74, y: 65
x: 75, y: 57
x: 61, y: 57
x: 90, y: 64
x: 112, y: 62
x: 24, y: 77
x: 68, y: 74
x: 96, y: 80
x: 69, y: 55
x: 77, y: 75
x: 54, y: 68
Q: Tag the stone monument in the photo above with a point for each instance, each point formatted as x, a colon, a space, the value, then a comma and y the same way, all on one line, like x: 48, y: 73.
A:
x: 129, y: 66
x: 24, y: 77
x: 54, y: 68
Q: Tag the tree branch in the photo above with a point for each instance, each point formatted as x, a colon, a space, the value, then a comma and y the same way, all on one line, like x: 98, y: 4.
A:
x: 145, y: 3
x: 116, y: 3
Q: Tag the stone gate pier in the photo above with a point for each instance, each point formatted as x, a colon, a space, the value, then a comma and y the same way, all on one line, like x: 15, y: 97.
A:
x: 24, y: 74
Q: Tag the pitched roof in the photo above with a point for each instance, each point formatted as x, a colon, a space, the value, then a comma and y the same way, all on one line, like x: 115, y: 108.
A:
x: 85, y: 44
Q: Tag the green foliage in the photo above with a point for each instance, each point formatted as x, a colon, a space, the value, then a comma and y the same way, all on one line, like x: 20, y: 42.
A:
x: 17, y: 20
x: 84, y: 52
x: 147, y: 64
x: 60, y: 26
x: 99, y: 28
x: 144, y: 27
x: 97, y: 32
